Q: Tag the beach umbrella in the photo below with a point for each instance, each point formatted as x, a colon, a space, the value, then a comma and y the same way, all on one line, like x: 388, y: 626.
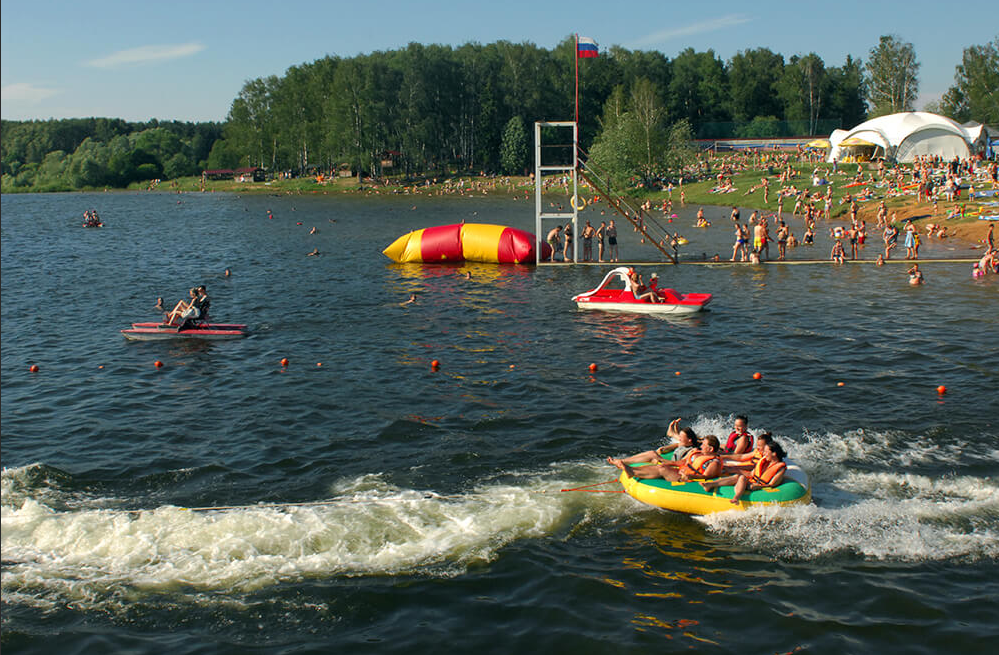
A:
x: 818, y: 143
x: 857, y: 141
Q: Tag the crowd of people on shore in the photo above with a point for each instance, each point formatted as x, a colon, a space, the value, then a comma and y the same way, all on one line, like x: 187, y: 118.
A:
x: 746, y: 462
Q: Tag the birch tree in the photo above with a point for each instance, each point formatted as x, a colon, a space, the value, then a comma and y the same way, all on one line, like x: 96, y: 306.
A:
x: 892, y: 77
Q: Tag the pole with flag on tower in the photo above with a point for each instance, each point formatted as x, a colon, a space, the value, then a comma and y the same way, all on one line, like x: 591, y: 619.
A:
x: 585, y: 49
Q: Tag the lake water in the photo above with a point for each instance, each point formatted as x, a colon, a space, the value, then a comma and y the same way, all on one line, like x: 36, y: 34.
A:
x: 421, y: 511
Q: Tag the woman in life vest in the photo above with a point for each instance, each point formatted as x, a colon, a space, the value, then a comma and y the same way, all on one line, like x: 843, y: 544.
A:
x: 768, y: 472
x: 684, y: 441
x: 740, y: 440
x: 741, y: 465
x: 701, y: 463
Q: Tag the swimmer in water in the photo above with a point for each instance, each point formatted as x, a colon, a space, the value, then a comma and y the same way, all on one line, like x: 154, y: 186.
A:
x: 916, y: 275
x: 159, y: 305
x: 314, y: 253
x: 412, y: 299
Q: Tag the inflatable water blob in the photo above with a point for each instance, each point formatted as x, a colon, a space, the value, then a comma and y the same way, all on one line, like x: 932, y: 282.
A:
x: 466, y: 242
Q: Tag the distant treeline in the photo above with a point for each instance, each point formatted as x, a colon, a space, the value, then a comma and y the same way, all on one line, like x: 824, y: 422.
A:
x: 434, y: 108
x: 60, y: 155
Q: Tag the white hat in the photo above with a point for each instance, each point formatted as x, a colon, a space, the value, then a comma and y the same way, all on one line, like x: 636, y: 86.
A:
x: 653, y: 275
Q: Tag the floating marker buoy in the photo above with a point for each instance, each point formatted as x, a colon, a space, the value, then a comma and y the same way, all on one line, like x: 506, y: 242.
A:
x: 513, y: 366
x: 839, y: 384
x: 593, y: 368
x: 757, y: 376
x: 33, y: 368
x: 101, y: 366
x: 435, y: 365
x: 677, y: 373
x: 284, y: 361
x: 158, y: 364
x: 298, y: 223
x: 941, y: 390
x: 319, y: 363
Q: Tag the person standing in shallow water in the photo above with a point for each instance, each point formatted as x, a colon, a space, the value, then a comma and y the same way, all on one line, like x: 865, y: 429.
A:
x: 601, y: 236
x: 612, y: 241
x: 588, y: 233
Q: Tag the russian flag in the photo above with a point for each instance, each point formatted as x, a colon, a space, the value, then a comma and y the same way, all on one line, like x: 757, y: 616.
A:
x: 586, y: 47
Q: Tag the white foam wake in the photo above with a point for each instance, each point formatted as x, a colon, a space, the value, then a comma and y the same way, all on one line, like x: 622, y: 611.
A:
x: 369, y: 528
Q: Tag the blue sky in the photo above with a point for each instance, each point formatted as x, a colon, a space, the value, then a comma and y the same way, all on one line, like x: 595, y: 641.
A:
x: 187, y: 60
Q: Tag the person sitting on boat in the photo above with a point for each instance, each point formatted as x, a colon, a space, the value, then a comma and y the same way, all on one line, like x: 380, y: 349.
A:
x: 198, y: 308
x: 701, y: 463
x: 755, y: 468
x: 685, y: 441
x: 644, y: 293
x: 181, y: 307
x: 740, y: 440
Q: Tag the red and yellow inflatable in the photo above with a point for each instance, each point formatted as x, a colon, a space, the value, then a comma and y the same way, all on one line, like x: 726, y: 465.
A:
x: 466, y: 242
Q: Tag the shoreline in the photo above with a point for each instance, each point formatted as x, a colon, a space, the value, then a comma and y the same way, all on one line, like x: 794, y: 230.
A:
x: 965, y: 230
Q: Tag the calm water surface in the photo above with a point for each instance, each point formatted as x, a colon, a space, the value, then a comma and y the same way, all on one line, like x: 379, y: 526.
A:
x: 444, y: 525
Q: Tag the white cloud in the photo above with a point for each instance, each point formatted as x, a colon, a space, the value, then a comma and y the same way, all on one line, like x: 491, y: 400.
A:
x: 694, y: 28
x: 26, y: 92
x: 145, y: 54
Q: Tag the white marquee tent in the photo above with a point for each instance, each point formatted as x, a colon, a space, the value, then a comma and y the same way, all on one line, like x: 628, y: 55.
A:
x: 905, y: 136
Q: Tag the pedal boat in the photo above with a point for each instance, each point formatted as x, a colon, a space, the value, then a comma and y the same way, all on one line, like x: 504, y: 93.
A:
x: 162, y: 332
x: 626, y: 299
x: 691, y: 498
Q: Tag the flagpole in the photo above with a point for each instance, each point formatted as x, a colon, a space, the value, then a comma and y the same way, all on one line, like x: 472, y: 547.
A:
x: 575, y: 55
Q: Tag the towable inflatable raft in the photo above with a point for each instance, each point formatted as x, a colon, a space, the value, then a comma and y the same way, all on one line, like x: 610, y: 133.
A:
x: 691, y: 498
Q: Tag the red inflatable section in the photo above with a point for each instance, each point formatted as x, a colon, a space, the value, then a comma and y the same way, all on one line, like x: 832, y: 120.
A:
x: 442, y: 244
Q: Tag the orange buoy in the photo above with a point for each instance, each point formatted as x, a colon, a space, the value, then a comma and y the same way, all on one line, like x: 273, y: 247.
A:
x: 158, y: 364
x: 284, y: 361
x: 319, y: 363
x: 677, y: 373
x: 33, y: 368
x: 593, y: 368
x: 757, y: 376
x: 435, y: 365
x: 513, y: 366
x: 941, y: 390
x: 839, y: 384
x: 101, y: 366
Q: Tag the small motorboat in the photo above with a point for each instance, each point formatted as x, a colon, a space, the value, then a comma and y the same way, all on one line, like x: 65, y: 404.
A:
x: 691, y: 498
x: 627, y: 299
x: 163, y: 331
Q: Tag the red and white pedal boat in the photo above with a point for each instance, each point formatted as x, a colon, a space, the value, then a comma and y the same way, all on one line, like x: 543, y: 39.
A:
x: 627, y: 299
x: 160, y: 331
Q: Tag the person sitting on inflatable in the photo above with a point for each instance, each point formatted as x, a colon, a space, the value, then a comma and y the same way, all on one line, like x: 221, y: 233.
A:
x: 702, y: 463
x: 685, y: 441
x: 768, y: 471
x: 740, y: 440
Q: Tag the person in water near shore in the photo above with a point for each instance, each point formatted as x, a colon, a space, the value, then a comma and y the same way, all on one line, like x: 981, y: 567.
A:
x: 412, y: 299
x: 916, y: 275
x: 685, y: 441
x: 314, y: 253
x: 159, y: 305
x: 701, y: 463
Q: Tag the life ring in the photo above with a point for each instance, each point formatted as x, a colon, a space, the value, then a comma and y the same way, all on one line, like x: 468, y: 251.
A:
x: 576, y: 206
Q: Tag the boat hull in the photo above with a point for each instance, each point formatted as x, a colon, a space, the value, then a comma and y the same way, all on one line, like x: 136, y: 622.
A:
x: 158, y: 333
x: 690, y: 498
x: 211, y: 326
x: 640, y: 307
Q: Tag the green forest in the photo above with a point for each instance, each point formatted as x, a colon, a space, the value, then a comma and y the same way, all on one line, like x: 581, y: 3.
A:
x: 440, y: 109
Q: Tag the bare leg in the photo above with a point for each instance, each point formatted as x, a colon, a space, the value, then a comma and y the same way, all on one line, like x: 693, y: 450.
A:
x: 720, y: 482
x: 740, y: 488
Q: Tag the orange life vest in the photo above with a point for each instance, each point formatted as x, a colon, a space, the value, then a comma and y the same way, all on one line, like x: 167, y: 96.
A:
x: 764, y: 474
x: 697, y: 463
